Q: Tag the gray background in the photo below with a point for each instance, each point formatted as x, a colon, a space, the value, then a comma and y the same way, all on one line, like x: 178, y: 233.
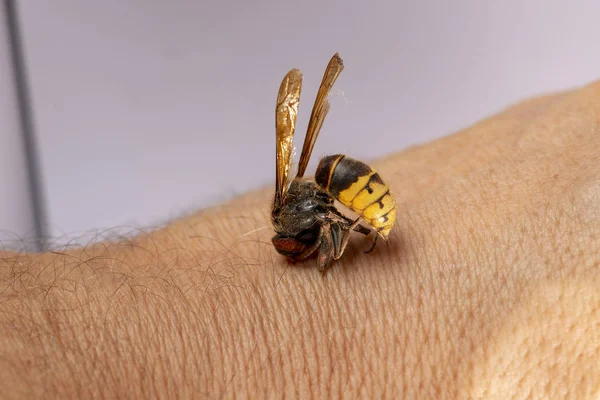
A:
x: 144, y: 110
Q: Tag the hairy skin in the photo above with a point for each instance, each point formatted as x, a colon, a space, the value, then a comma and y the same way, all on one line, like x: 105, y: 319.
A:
x: 488, y: 288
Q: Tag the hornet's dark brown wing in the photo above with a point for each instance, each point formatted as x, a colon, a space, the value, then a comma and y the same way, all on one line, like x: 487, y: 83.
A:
x: 319, y: 111
x: 286, y: 113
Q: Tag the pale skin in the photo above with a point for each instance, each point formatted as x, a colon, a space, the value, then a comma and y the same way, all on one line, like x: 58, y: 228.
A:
x: 489, y: 287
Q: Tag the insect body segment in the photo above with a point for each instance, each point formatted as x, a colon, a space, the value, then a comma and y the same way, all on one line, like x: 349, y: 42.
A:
x: 360, y: 188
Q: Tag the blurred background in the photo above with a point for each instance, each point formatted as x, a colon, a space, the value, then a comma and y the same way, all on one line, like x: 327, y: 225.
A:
x: 121, y: 114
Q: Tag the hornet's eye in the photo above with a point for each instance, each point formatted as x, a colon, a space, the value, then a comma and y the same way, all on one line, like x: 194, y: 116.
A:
x: 308, y: 236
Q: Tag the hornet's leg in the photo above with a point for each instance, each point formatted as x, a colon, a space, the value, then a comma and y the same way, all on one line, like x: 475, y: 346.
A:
x: 370, y: 250
x: 334, y: 239
x: 362, y: 229
x: 308, y: 251
x: 326, y: 249
x: 365, y: 231
x: 357, y: 227
x: 341, y: 236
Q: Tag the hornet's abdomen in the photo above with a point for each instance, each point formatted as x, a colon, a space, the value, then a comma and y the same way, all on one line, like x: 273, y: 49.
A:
x: 360, y: 188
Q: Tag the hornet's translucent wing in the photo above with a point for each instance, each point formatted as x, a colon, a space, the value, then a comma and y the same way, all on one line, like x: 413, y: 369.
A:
x: 286, y: 113
x: 319, y: 111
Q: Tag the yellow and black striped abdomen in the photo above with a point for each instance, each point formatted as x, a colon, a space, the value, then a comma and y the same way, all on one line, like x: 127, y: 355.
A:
x: 360, y: 188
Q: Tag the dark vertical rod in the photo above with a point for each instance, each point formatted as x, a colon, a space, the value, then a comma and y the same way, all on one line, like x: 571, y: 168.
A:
x: 27, y: 125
